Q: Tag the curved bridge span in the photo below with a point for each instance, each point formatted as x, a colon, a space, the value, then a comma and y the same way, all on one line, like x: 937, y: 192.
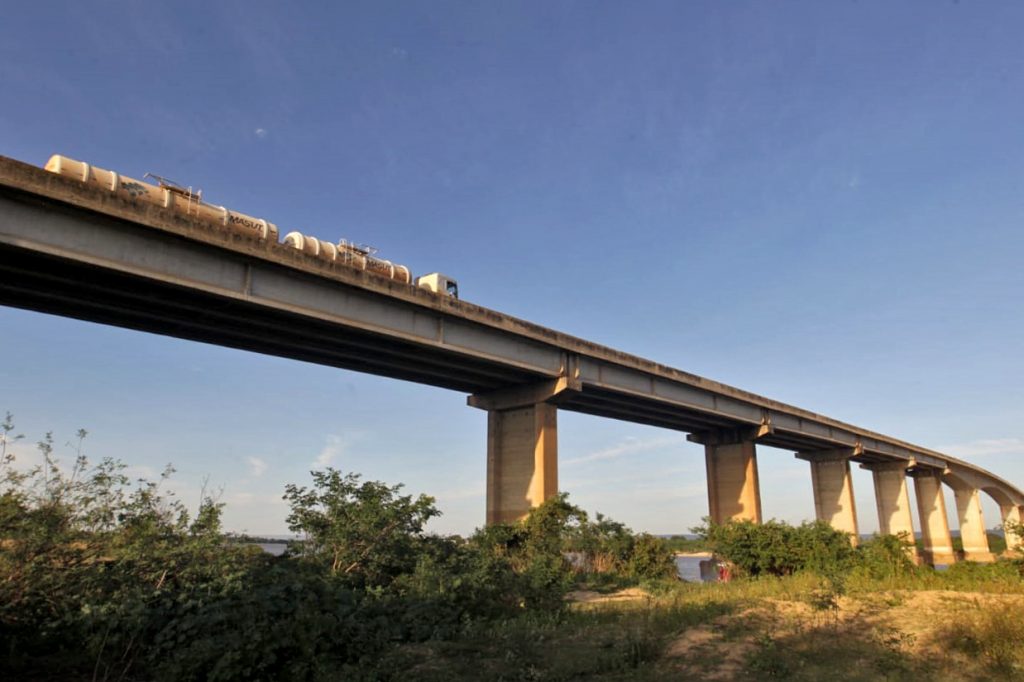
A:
x: 81, y: 252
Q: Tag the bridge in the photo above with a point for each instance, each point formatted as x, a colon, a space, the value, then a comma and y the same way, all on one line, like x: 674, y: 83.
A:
x: 81, y: 252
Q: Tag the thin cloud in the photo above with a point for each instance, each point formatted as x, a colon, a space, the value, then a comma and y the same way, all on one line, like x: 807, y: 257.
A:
x: 630, y: 447
x: 330, y: 452
x: 260, y: 133
x: 986, y: 446
x: 257, y: 467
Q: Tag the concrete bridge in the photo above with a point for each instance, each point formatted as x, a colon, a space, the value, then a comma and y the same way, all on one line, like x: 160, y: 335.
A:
x: 82, y: 252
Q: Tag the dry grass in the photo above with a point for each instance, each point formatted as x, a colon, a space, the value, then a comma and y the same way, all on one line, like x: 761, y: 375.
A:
x: 757, y: 630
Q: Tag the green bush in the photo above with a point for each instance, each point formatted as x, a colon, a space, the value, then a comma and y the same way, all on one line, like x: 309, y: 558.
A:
x: 777, y: 548
x: 886, y: 556
x: 651, y: 558
x: 365, y: 533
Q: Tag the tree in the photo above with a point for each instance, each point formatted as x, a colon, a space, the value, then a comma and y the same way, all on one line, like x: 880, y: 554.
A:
x: 366, y: 532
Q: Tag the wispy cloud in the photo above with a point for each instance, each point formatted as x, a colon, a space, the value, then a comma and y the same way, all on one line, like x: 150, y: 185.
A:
x: 984, y: 447
x: 330, y: 452
x: 630, y: 446
x: 260, y: 133
x: 257, y: 466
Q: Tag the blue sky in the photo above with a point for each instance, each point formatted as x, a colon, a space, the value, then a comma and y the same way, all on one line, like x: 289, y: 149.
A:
x: 818, y: 202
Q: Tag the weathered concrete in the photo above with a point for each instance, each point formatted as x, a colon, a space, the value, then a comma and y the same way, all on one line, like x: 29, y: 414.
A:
x: 1012, y: 513
x: 931, y: 508
x: 833, y: 488
x: 972, y: 525
x: 734, y: 492
x: 522, y: 460
x: 892, y: 499
x: 893, y: 502
x: 522, y: 444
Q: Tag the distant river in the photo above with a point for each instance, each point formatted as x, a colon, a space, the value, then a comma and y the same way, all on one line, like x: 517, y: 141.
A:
x: 688, y: 566
x: 275, y: 548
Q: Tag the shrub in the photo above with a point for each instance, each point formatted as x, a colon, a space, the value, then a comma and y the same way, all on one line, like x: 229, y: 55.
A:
x: 365, y: 532
x: 776, y: 548
x: 886, y: 556
x: 651, y: 558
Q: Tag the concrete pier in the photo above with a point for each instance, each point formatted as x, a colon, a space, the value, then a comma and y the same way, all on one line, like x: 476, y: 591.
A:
x: 522, y: 444
x: 833, y: 489
x: 893, y: 501
x: 1012, y: 513
x: 734, y: 493
x: 972, y: 525
x: 931, y: 507
x: 522, y: 460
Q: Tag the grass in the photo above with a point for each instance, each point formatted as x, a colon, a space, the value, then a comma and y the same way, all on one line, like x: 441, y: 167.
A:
x: 993, y: 635
x: 801, y: 627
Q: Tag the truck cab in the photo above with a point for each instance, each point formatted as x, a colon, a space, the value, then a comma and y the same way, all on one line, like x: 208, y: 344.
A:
x: 439, y: 284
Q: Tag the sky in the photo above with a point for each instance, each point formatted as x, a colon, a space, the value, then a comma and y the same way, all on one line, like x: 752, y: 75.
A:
x: 818, y: 202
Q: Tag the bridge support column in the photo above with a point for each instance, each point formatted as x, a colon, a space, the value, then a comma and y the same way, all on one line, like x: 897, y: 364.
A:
x: 833, y: 489
x: 893, y: 501
x: 734, y: 493
x: 522, y: 460
x: 931, y: 507
x: 892, y: 498
x: 522, y: 444
x: 972, y: 525
x: 1012, y: 513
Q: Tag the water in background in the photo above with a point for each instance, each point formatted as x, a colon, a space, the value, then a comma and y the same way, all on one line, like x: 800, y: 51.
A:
x: 275, y: 548
x: 688, y: 566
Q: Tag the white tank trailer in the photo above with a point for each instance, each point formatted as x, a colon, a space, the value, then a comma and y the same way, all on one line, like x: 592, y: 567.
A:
x: 184, y: 200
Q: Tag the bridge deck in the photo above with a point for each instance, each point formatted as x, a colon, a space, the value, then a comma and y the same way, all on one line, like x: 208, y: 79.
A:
x: 81, y: 252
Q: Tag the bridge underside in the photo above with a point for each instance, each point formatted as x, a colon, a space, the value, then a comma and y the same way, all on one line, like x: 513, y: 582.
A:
x: 606, y: 403
x: 53, y: 285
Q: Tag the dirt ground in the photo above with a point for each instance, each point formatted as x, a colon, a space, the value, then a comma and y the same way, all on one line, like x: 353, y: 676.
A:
x: 892, y: 635
x: 888, y: 635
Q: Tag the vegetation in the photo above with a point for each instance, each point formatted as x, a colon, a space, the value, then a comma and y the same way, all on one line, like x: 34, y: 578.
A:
x: 776, y: 548
x: 104, y: 578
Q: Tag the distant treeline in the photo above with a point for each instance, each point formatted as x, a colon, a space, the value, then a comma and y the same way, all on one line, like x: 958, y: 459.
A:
x: 685, y: 543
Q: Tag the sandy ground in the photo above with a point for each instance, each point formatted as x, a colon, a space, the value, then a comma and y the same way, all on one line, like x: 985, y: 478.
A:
x: 910, y: 622
x: 591, y: 597
x: 914, y: 621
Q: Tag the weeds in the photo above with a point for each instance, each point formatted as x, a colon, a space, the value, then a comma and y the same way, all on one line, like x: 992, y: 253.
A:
x: 994, y: 635
x: 769, y: 660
